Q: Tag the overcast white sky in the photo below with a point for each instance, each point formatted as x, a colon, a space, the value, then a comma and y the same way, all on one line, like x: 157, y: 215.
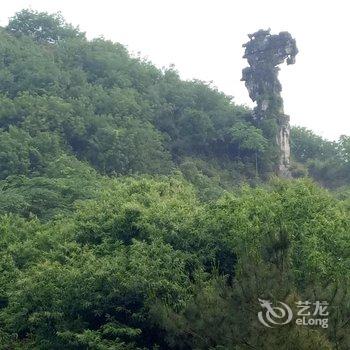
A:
x: 204, y: 38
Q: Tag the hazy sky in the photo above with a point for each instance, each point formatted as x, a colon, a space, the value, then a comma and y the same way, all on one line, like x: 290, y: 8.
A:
x: 204, y: 38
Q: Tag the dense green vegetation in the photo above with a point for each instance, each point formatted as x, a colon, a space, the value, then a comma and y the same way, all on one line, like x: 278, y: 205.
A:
x: 327, y: 162
x: 139, y: 211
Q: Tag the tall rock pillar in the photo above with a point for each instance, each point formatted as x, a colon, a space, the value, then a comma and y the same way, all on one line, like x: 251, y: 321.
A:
x: 264, y: 53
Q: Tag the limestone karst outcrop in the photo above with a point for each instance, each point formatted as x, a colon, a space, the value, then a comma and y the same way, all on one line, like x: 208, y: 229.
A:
x: 264, y: 52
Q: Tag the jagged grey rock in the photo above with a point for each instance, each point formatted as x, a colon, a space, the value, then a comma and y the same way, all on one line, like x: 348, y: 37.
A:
x: 264, y: 53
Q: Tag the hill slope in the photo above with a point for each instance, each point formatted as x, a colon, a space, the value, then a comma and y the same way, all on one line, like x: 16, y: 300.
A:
x: 124, y: 221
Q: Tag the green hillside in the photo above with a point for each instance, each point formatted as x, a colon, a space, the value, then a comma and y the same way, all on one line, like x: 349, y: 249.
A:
x: 141, y: 211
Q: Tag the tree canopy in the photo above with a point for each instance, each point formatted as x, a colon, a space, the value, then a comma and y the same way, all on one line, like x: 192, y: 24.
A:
x: 138, y: 210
